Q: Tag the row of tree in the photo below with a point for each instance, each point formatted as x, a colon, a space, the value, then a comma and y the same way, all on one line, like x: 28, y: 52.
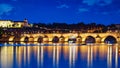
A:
x: 78, y: 26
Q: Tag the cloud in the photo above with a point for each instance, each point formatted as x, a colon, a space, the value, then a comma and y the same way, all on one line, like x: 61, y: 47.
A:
x: 97, y: 2
x: 5, y: 9
x: 63, y: 6
x: 83, y: 10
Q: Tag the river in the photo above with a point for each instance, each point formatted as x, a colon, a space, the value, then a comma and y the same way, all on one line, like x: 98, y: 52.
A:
x: 59, y: 56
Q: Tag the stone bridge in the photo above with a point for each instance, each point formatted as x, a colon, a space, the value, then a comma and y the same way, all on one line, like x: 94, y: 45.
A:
x: 66, y: 37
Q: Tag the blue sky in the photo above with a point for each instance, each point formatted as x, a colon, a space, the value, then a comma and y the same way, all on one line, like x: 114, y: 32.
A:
x: 65, y: 11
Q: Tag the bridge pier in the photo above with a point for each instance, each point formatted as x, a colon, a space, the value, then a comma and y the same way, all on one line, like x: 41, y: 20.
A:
x: 83, y: 42
x: 98, y: 40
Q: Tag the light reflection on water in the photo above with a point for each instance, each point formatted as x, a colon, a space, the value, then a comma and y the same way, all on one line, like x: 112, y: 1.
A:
x: 60, y: 56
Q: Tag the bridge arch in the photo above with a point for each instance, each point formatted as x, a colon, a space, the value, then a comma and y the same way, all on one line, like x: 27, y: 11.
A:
x: 79, y: 39
x: 110, y: 39
x: 38, y: 39
x: 62, y: 39
x: 55, y: 39
x: 90, y: 39
x: 24, y: 39
x: 11, y: 38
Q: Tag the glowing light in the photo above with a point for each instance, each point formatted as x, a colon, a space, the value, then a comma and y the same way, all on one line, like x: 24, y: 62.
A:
x: 24, y: 54
x: 116, y: 57
x: 28, y: 54
x: 109, y: 56
x: 54, y: 52
x: 72, y: 55
x: 42, y: 55
x: 5, y: 43
x: 38, y: 56
x: 90, y: 56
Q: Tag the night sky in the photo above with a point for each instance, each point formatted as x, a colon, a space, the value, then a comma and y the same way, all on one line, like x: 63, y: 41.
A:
x: 62, y: 11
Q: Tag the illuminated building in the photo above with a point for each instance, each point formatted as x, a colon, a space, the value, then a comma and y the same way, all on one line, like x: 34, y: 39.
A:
x: 13, y: 24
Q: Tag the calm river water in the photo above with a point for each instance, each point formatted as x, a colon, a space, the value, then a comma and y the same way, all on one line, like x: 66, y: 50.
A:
x: 60, y: 56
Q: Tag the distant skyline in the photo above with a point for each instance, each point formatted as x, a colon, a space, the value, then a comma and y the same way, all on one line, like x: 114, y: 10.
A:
x: 61, y: 11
